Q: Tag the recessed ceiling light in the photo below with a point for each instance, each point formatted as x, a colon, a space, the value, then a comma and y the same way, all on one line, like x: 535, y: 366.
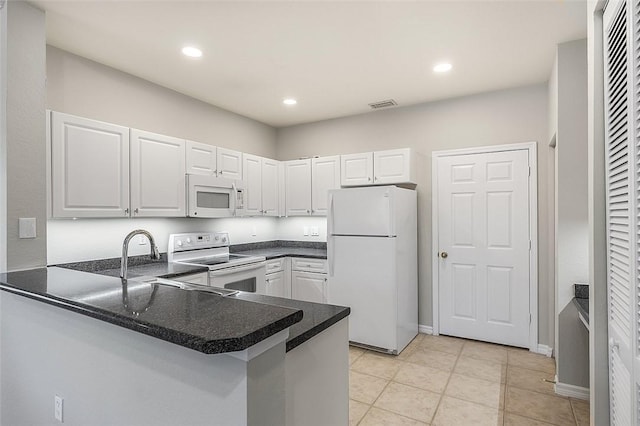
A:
x: 192, y: 52
x: 289, y: 101
x: 443, y: 67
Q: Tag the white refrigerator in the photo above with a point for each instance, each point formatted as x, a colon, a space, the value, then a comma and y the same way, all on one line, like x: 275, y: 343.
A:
x: 373, y: 264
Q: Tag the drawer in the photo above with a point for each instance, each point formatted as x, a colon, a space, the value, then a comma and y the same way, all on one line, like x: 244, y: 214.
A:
x: 275, y: 265
x: 308, y: 265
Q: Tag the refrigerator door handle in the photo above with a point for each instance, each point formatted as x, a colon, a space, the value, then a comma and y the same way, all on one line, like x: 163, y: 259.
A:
x: 330, y: 255
x: 330, y: 216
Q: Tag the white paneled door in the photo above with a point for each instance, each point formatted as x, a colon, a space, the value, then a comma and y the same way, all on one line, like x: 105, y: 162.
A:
x: 483, y: 246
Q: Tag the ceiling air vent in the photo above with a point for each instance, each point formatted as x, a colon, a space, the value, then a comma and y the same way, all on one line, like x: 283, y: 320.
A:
x: 383, y: 104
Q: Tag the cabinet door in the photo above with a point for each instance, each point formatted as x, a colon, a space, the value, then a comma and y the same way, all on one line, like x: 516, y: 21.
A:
x: 298, y: 187
x: 157, y: 175
x: 275, y: 284
x: 89, y: 168
x: 253, y: 184
x: 201, y: 158
x: 270, y: 187
x: 325, y: 175
x: 356, y: 169
x: 392, y: 166
x: 229, y: 163
x: 309, y: 287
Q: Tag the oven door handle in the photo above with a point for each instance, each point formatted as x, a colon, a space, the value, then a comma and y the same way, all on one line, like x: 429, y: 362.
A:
x: 236, y: 269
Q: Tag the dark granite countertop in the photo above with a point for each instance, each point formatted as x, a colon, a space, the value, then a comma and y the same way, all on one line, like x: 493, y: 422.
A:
x: 201, y: 321
x: 138, y: 266
x: 317, y: 316
x: 276, y: 252
x: 281, y: 248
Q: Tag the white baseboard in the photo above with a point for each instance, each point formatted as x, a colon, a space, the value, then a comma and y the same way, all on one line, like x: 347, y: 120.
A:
x: 544, y: 350
x: 425, y: 329
x: 571, y: 390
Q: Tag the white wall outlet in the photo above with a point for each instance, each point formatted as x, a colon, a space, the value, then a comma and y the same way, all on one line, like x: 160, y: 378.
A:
x: 142, y: 240
x: 305, y: 231
x: 254, y: 232
x: 58, y: 408
x: 27, y: 227
x: 314, y: 231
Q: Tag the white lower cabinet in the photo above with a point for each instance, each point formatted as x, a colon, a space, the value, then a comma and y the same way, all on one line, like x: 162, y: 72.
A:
x: 309, y: 279
x: 309, y: 286
x: 275, y: 284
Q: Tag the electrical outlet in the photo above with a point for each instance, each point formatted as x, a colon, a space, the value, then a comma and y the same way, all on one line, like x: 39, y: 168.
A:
x: 58, y: 401
x: 253, y: 231
x: 305, y: 231
x: 142, y: 240
x: 314, y: 231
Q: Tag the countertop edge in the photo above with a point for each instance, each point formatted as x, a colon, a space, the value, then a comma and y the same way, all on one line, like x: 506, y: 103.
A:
x: 314, y: 331
x: 189, y: 341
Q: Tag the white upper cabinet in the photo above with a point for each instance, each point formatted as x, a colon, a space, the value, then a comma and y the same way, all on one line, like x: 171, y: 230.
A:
x: 229, y: 163
x: 253, y: 185
x: 261, y: 185
x: 157, y: 175
x: 393, y: 166
x: 298, y: 187
x: 325, y: 175
x: 89, y: 168
x: 356, y: 169
x: 270, y: 187
x: 201, y: 158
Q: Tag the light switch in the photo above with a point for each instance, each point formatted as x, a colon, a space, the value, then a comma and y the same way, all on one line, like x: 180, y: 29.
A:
x: 27, y: 227
x: 314, y: 231
x: 305, y: 230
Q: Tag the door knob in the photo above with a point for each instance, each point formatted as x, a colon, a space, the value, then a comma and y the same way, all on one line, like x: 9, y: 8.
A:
x: 444, y: 255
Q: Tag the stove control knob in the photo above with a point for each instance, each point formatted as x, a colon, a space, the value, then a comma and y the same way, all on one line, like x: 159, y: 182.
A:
x: 179, y: 243
x: 188, y: 240
x: 217, y: 237
x: 224, y: 239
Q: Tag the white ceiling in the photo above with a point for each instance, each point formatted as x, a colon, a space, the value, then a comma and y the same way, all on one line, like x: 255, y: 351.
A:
x: 333, y: 57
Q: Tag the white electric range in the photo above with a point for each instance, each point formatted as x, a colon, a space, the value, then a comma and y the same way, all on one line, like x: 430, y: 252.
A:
x: 226, y: 270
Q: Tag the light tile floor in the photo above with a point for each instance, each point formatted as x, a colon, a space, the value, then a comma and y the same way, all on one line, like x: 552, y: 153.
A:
x: 446, y: 381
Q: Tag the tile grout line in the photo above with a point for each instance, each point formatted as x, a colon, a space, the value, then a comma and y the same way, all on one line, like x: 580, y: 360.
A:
x: 435, y: 412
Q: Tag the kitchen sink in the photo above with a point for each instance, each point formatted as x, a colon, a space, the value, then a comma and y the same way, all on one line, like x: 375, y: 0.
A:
x: 188, y: 286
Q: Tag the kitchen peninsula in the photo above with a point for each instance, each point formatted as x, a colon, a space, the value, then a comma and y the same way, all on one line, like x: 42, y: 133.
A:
x: 147, y: 353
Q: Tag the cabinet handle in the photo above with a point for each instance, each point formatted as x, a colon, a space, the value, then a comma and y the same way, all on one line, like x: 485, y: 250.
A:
x: 368, y: 179
x: 220, y: 172
x: 126, y: 211
x: 375, y: 178
x: 308, y: 211
x: 136, y: 210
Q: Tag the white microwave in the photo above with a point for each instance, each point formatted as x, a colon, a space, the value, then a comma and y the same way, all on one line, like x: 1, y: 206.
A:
x: 211, y: 197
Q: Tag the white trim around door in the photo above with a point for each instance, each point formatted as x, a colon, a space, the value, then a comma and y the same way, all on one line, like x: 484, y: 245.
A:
x: 531, y: 147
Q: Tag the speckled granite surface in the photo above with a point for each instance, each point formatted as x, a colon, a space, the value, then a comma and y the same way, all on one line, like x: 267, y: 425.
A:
x: 276, y: 249
x: 581, y: 299
x: 317, y: 317
x: 201, y: 321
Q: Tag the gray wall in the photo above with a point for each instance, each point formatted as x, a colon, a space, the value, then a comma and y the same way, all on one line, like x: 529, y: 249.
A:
x: 569, y: 100
x: 504, y: 117
x: 79, y: 86
x: 26, y: 177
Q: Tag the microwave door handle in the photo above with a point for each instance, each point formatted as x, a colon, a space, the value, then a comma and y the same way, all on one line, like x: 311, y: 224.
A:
x: 233, y: 270
x: 235, y: 198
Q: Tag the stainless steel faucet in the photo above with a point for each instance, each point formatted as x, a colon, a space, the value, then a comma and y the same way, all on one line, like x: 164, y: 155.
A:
x: 125, y: 250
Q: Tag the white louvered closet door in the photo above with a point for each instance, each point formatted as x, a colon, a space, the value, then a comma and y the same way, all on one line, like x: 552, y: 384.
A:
x: 622, y: 171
